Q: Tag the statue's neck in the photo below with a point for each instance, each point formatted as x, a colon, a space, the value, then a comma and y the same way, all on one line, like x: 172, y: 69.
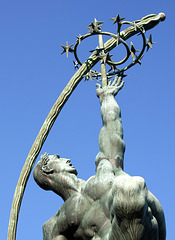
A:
x: 66, y: 185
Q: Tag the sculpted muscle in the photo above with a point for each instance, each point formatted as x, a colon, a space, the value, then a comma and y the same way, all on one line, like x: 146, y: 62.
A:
x: 111, y: 141
x: 110, y: 205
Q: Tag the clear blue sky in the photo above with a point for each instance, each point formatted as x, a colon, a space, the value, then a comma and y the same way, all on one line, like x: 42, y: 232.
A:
x: 32, y: 76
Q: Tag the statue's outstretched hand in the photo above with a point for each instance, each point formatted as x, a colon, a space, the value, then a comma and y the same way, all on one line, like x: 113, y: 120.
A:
x: 111, y: 89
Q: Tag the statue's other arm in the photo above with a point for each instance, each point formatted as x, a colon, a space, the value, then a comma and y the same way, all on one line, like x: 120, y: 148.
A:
x: 111, y: 142
x: 158, y: 213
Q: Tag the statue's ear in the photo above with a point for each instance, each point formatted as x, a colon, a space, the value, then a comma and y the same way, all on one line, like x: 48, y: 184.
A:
x: 47, y: 169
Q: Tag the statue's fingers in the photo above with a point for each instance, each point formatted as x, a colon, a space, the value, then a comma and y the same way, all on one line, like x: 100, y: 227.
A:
x: 109, y: 83
x: 121, y: 85
x: 115, y: 80
x: 119, y: 80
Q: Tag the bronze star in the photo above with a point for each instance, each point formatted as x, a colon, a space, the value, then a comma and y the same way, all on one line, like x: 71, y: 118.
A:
x: 67, y: 49
x: 76, y: 64
x: 98, y: 50
x: 91, y: 75
x: 117, y: 19
x: 79, y: 38
x: 149, y: 42
x: 103, y: 56
x: 95, y: 26
x: 133, y: 51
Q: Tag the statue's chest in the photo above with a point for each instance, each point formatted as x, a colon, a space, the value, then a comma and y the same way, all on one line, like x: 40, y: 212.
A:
x: 96, y: 188
x: 95, y: 224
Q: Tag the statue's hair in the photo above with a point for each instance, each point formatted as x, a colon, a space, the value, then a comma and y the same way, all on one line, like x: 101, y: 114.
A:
x: 45, y: 158
x: 39, y: 174
x: 41, y: 171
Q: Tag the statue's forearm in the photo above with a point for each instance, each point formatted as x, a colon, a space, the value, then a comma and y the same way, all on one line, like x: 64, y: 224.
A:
x: 110, y: 111
x: 111, y: 135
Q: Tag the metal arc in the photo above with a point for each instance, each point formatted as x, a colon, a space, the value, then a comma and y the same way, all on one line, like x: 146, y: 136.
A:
x: 141, y: 31
x: 108, y: 34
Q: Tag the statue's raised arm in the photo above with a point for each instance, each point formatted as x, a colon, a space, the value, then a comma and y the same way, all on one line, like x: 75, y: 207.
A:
x: 112, y: 146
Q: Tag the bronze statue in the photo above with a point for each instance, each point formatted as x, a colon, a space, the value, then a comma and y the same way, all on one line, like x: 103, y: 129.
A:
x: 110, y: 205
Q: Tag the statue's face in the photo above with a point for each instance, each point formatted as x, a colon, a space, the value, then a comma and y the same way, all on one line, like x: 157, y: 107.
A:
x: 49, y: 167
x: 61, y: 164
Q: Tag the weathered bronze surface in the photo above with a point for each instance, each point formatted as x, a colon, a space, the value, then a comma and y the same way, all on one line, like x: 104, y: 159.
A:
x: 110, y: 205
x: 114, y: 221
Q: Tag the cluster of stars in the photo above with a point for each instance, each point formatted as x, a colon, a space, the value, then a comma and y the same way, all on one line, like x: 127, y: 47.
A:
x: 95, y: 27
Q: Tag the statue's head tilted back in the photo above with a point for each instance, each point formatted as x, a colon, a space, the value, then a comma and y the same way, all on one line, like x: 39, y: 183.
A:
x: 50, y: 166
